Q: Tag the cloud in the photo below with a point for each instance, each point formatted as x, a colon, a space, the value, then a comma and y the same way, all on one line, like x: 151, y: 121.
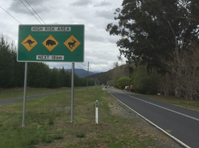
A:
x: 105, y: 14
x: 96, y: 38
x: 81, y: 3
x: 37, y: 5
x: 102, y: 3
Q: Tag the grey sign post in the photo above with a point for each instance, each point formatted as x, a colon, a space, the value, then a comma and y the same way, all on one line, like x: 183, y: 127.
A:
x: 72, y: 91
x: 24, y: 97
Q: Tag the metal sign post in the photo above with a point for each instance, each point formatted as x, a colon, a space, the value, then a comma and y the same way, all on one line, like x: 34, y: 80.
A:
x: 24, y: 97
x: 72, y: 92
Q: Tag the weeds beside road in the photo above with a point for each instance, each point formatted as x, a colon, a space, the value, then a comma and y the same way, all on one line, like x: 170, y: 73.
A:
x: 47, y: 123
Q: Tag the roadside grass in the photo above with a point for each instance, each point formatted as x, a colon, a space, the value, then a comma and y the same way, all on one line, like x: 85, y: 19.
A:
x: 191, y: 104
x: 47, y: 123
x: 18, y: 92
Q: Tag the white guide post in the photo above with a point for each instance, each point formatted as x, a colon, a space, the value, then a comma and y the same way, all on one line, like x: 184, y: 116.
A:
x: 96, y: 112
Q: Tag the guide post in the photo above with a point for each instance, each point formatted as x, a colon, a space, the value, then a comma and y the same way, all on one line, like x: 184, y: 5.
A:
x: 96, y: 112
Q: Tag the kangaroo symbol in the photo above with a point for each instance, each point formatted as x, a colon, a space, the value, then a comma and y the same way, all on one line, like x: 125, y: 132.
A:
x: 72, y: 44
x: 29, y: 42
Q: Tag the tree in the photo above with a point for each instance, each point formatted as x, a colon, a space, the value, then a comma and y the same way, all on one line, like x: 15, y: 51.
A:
x: 67, y: 79
x: 54, y: 78
x: 76, y: 80
x: 91, y: 82
x: 6, y: 65
x: 144, y: 82
x: 19, y: 68
x: 118, y: 72
x: 83, y: 81
x: 38, y: 75
x: 109, y: 83
x: 153, y: 28
x: 184, y: 74
x: 124, y: 81
x: 62, y: 74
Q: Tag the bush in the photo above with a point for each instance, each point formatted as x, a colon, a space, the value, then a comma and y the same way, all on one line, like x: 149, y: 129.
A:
x: 124, y: 81
x: 145, y: 83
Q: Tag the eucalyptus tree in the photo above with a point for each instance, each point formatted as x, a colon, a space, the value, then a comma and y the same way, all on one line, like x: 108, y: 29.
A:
x: 155, y: 29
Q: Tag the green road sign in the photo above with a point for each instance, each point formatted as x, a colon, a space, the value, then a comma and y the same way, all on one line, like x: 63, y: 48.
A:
x: 51, y: 43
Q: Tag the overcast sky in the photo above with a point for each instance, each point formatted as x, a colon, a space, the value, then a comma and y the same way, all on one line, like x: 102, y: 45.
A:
x: 100, y: 48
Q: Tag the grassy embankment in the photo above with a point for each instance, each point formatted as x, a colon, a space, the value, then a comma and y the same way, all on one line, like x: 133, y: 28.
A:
x: 47, y: 123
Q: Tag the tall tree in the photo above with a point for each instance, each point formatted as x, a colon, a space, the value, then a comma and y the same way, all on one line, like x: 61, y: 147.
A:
x: 6, y: 65
x: 54, y: 78
x: 38, y: 75
x: 151, y: 29
x: 18, y: 70
x: 67, y: 79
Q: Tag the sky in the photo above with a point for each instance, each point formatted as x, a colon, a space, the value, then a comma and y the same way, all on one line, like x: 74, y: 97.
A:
x: 100, y: 48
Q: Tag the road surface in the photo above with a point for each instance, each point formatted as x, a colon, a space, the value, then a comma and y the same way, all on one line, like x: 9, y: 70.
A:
x: 6, y: 101
x: 180, y: 123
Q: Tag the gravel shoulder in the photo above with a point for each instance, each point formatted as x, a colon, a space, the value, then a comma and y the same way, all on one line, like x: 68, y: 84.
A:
x: 161, y: 140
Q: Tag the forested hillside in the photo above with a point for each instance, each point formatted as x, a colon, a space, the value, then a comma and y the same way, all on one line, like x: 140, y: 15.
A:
x: 39, y: 74
x: 112, y: 75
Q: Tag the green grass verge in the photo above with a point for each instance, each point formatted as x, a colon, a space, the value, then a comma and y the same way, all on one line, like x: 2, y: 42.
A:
x: 47, y: 123
x: 18, y: 92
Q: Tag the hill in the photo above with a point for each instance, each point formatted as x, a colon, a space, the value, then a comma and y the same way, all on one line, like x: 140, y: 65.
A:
x: 103, y: 77
x: 81, y: 72
x: 111, y: 75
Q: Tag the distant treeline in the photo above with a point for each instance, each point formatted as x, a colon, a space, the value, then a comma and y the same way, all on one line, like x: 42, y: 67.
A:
x: 39, y: 74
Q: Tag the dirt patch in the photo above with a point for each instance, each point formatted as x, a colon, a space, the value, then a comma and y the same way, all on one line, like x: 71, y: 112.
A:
x: 160, y: 138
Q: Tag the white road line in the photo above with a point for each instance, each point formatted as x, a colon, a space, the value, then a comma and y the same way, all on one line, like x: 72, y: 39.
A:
x: 174, y: 138
x: 166, y: 108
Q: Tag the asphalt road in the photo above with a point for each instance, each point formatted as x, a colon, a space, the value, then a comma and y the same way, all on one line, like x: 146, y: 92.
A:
x: 6, y: 101
x: 180, y: 123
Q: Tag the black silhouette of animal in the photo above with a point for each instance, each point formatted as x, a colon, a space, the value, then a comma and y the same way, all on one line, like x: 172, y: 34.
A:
x: 50, y: 42
x: 29, y: 42
x: 72, y: 44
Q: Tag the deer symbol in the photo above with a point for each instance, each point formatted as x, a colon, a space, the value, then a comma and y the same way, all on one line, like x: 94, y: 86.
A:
x: 72, y: 44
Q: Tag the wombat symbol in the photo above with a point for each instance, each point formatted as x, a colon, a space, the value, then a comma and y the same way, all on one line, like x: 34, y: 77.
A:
x: 50, y: 42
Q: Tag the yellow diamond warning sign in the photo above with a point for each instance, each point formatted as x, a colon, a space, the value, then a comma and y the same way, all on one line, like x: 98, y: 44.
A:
x: 29, y: 42
x: 72, y: 43
x: 50, y: 43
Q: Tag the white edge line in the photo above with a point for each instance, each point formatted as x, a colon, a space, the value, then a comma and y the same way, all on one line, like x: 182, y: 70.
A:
x: 166, y: 108
x: 174, y: 138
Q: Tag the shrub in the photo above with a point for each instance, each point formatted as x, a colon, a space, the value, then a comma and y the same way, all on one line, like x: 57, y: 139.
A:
x: 144, y: 82
x: 124, y: 81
